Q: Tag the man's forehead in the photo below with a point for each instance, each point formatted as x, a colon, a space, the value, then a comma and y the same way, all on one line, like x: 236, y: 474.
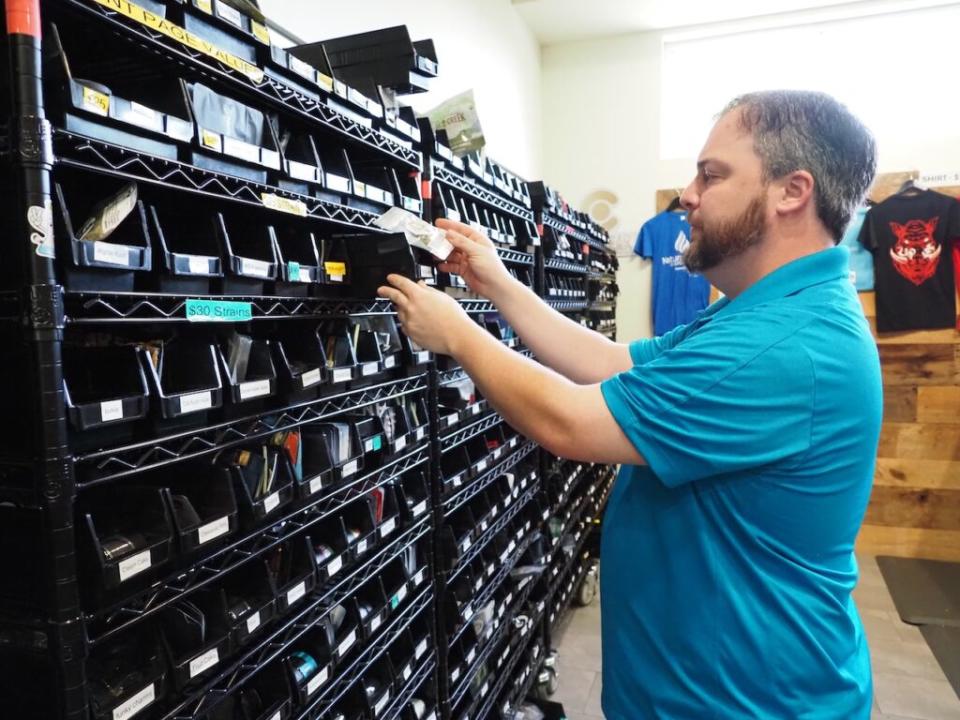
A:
x: 727, y: 136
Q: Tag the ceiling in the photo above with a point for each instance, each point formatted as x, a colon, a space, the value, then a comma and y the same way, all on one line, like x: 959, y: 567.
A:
x: 556, y: 21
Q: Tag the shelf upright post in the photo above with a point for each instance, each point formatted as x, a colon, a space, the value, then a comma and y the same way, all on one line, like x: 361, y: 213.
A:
x: 42, y: 320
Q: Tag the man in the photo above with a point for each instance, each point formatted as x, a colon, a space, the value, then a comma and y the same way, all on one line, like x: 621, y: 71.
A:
x: 747, y: 438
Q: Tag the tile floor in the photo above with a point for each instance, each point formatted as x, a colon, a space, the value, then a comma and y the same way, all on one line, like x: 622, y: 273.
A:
x: 908, y: 682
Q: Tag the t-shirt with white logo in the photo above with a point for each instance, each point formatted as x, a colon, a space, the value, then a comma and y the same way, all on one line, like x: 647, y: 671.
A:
x: 678, y: 296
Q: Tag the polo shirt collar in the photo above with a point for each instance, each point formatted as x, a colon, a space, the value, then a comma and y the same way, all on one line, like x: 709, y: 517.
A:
x: 804, y: 272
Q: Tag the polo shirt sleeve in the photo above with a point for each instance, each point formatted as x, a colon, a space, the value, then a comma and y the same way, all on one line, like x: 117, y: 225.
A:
x: 716, y: 405
x: 644, y: 350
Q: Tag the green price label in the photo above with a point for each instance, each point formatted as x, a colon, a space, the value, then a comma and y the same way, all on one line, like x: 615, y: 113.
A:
x: 394, y: 601
x: 293, y: 271
x: 377, y: 443
x: 218, y: 311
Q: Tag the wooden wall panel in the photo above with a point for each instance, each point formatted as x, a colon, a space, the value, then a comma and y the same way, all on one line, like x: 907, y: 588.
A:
x: 919, y: 364
x: 914, y: 507
x: 900, y: 404
x: 909, y: 542
x: 938, y: 404
x: 919, y: 441
x: 907, y: 473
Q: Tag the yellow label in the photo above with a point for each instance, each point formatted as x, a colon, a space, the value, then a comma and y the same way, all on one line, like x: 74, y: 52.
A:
x: 206, y: 6
x: 275, y: 202
x: 260, y: 32
x: 335, y: 268
x: 325, y: 81
x: 96, y: 102
x: 210, y: 139
x: 183, y: 36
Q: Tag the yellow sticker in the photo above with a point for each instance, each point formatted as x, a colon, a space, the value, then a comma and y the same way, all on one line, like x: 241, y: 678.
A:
x: 206, y: 6
x: 183, y: 36
x: 210, y: 139
x: 325, y: 81
x: 335, y: 268
x: 260, y: 32
x: 96, y: 102
x: 275, y: 202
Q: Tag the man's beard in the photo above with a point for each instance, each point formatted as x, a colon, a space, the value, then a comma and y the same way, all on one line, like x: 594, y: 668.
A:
x: 728, y: 239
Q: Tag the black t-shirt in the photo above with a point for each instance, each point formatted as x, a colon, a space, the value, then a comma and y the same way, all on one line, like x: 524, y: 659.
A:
x: 911, y: 237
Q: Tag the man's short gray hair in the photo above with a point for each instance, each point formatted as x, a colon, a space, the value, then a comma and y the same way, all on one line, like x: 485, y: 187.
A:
x: 802, y: 130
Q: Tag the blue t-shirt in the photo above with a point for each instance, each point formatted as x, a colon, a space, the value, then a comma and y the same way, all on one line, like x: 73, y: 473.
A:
x: 861, y: 259
x: 727, y: 563
x: 677, y: 295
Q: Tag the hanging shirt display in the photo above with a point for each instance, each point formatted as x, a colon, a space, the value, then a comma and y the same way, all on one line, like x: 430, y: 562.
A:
x: 678, y: 296
x: 911, y: 237
x: 861, y: 261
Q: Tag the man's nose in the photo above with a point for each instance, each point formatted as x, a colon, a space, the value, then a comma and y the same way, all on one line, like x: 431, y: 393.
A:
x: 689, y: 200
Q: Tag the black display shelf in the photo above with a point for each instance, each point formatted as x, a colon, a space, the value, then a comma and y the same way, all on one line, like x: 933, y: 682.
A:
x: 109, y: 464
x: 528, y: 676
x: 568, y: 305
x: 516, y: 646
x: 515, y: 256
x: 77, y: 151
x: 415, y: 684
x: 462, y: 435
x: 247, y: 79
x: 564, y: 266
x: 444, y: 175
x: 110, y: 621
x: 483, y: 481
x: 477, y: 306
x: 205, y: 698
x: 604, y: 306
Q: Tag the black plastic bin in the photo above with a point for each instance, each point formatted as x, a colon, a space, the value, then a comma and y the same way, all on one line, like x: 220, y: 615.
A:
x: 187, y: 256
x: 300, y: 361
x: 309, y: 666
x: 262, y: 480
x: 249, y: 255
x: 248, y: 369
x: 196, y: 637
x: 292, y: 572
x: 203, y: 508
x: 185, y: 379
x: 247, y: 599
x: 298, y: 261
x: 337, y: 341
x: 128, y: 676
x: 104, y: 385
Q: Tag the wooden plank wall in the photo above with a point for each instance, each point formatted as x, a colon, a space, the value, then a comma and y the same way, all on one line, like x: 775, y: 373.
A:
x: 914, y: 509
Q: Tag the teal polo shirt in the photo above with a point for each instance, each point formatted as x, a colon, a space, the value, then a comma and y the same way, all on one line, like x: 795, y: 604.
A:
x: 727, y: 563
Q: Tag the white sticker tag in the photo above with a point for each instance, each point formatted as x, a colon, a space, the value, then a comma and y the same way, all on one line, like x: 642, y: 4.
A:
x: 253, y: 622
x: 143, y: 111
x: 388, y: 527
x: 349, y: 469
x: 303, y: 69
x: 343, y: 647
x: 475, y: 409
x: 296, y: 593
x: 196, y: 401
x: 362, y: 546
x: 198, y: 265
x: 311, y: 377
x: 135, y: 704
x: 111, y: 253
x: 241, y: 149
x: 400, y: 444
x: 481, y: 466
x: 271, y: 502
x: 420, y: 508
x: 254, y: 389
x: 421, y: 649
x: 334, y: 566
x: 419, y: 577
x: 301, y: 171
x: 257, y: 268
x: 316, y: 484
x: 212, y: 530
x: 229, y: 14
x: 338, y: 183
x: 465, y: 545
x: 471, y: 656
x: 490, y: 570
x: 375, y: 623
x: 378, y: 708
x: 407, y: 672
x: 401, y: 594
x: 390, y: 361
x: 342, y: 375
x: 317, y: 681
x: 421, y: 433
x: 111, y: 410
x: 369, y: 368
x: 134, y: 565
x: 204, y: 662
x: 454, y: 674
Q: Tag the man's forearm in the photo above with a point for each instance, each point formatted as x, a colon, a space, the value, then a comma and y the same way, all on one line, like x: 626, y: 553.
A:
x: 576, y: 352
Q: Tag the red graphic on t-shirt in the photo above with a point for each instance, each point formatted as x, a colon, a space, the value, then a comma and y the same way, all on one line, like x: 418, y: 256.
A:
x: 916, y: 254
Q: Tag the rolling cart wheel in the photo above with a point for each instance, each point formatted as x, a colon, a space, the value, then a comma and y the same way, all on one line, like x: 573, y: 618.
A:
x: 590, y: 586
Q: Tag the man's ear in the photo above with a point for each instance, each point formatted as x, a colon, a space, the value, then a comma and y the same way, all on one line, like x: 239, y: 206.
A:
x: 796, y: 193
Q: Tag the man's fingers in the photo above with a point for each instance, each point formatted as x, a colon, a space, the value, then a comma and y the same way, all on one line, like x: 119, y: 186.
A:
x: 393, y: 295
x: 403, y: 284
x: 468, y: 236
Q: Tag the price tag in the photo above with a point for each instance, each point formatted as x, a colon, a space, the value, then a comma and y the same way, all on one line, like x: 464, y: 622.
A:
x: 343, y: 647
x: 194, y: 402
x: 317, y: 681
x: 254, y: 389
x: 205, y: 5
x: 229, y: 14
x: 271, y: 502
x: 407, y: 672
x: 311, y: 377
x: 400, y: 443
x: 362, y: 546
x: 419, y: 577
x: 204, y: 662
x: 260, y: 32
x: 293, y: 271
x: 325, y: 81
x: 420, y: 508
x: 382, y: 703
x: 198, y: 265
x: 388, y: 527
x: 454, y: 674
x: 421, y: 433
x: 257, y: 268
x: 111, y: 254
x: 135, y: 704
x: 349, y: 469
x: 375, y: 623
x: 211, y: 140
x: 369, y: 368
x: 96, y: 102
x: 213, y: 530
x: 111, y: 410
x: 334, y: 566
x: 401, y: 594
x: 389, y: 362
x: 420, y: 649
x: 296, y: 593
x: 342, y: 375
x: 303, y: 69
x: 471, y: 656
x: 218, y: 311
x: 481, y: 466
x: 253, y: 622
x: 282, y: 204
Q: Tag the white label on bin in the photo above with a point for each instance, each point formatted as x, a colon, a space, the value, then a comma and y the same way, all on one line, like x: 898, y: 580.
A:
x: 334, y: 566
x: 388, y: 527
x: 481, y: 466
x: 454, y: 674
x: 378, y: 708
x: 389, y: 362
x: 420, y: 649
x: 420, y: 508
x: 254, y: 389
x: 212, y: 530
x: 491, y: 568
x: 471, y: 656
x: 253, y: 622
x: 198, y: 265
x: 407, y: 672
x: 349, y: 469
x: 240, y: 149
x: 316, y: 682
x: 483, y: 526
x: 135, y: 704
x: 277, y: 715
x: 475, y: 409
x: 342, y: 375
x: 204, y: 662
x: 343, y: 647
x: 375, y: 623
x: 143, y: 111
x: 311, y: 377
x: 316, y: 484
x: 421, y: 433
x: 362, y: 546
x: 338, y: 183
x: 229, y: 14
x: 369, y: 368
x: 486, y: 689
x: 400, y: 443
x: 465, y: 545
x: 401, y: 594
x: 196, y: 401
x: 258, y: 268
x: 303, y: 69
x: 419, y: 577
x: 134, y: 565
x: 296, y: 593
x: 271, y: 502
x: 433, y: 716
x: 111, y: 410
x: 111, y: 253
x: 301, y: 171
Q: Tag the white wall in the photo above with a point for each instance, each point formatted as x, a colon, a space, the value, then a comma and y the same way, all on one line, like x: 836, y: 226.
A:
x: 481, y: 44
x: 612, y: 136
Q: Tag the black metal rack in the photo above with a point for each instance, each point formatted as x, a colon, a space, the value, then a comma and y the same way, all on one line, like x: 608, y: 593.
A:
x: 360, y: 538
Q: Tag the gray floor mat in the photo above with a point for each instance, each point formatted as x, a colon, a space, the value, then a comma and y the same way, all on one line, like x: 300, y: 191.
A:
x: 926, y: 592
x: 945, y: 643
